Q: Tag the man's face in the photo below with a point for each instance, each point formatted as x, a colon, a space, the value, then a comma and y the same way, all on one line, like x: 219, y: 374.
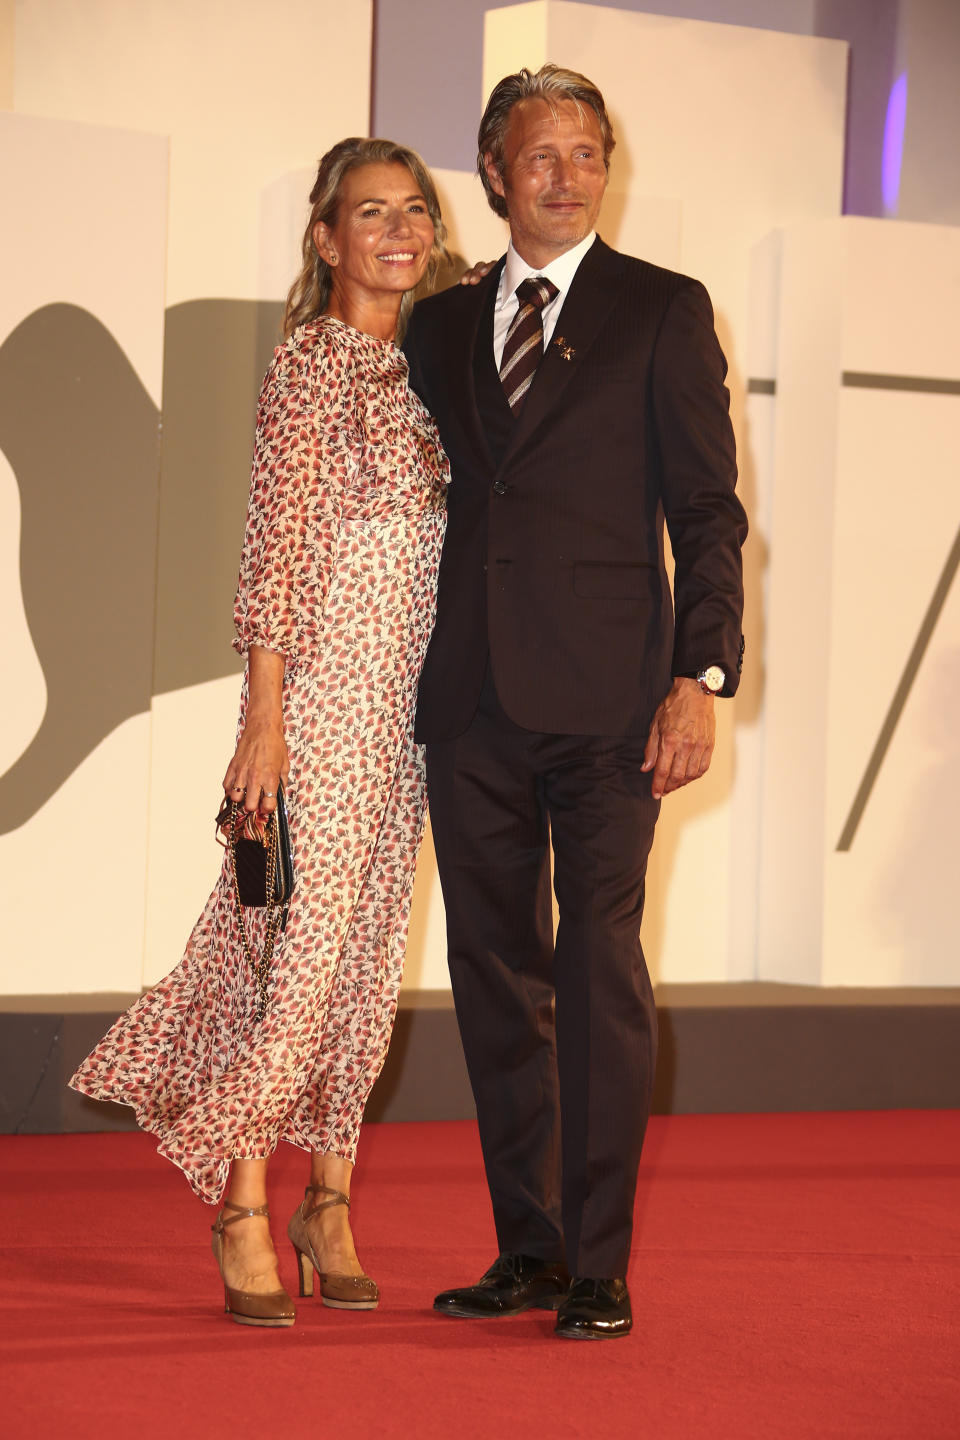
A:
x: 553, y: 177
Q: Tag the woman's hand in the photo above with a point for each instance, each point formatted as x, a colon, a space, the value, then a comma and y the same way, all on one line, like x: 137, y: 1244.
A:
x: 475, y: 274
x: 261, y: 758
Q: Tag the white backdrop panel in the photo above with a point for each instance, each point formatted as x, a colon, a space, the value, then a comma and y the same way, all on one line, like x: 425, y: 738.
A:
x: 231, y: 87
x: 866, y: 512
x: 890, y: 914
x: 808, y: 365
x: 74, y: 878
x: 91, y: 224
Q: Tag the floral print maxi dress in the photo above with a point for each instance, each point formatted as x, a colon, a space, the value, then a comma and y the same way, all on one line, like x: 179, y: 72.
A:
x: 339, y: 570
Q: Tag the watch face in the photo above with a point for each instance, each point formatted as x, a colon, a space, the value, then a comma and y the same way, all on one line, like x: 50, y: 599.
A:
x: 713, y: 677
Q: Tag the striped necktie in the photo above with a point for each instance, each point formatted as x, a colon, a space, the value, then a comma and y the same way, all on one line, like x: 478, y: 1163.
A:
x: 523, y: 347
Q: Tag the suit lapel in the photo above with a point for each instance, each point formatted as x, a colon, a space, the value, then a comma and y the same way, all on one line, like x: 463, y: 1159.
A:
x: 588, y: 303
x: 463, y: 341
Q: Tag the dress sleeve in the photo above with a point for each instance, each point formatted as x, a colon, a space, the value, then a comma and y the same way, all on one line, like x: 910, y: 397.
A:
x: 307, y: 445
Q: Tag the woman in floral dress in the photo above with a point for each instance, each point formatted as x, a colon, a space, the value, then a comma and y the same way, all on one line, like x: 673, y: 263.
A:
x: 334, y: 611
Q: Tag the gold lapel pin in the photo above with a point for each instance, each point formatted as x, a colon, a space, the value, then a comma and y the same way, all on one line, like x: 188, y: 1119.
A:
x: 567, y: 351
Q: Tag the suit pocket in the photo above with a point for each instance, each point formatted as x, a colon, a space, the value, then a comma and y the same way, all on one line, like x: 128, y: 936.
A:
x: 592, y: 579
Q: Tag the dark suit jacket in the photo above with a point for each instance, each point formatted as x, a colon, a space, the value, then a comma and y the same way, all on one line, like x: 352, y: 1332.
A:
x: 553, y: 559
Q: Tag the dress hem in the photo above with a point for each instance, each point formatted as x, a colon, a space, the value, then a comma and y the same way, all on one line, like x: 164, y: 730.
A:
x: 186, y: 1164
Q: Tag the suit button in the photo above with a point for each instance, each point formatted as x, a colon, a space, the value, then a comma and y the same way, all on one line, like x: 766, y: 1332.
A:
x: 499, y: 488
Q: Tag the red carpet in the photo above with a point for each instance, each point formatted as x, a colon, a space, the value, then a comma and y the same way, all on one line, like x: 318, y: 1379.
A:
x: 793, y: 1276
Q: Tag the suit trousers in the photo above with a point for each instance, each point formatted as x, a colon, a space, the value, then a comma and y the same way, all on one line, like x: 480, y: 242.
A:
x: 560, y: 1037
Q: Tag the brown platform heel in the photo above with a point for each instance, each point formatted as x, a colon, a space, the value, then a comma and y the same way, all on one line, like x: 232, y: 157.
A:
x: 274, y: 1309
x: 340, y: 1292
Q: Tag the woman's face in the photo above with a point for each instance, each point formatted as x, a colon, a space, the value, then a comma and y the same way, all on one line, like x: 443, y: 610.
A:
x: 383, y: 234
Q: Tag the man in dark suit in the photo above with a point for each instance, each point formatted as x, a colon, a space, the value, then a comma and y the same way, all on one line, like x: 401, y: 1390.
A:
x: 560, y: 701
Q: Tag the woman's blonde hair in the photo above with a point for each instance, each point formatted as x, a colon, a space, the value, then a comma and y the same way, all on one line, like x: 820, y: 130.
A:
x: 310, y: 292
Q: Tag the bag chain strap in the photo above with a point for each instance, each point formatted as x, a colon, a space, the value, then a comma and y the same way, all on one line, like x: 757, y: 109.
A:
x: 261, y: 967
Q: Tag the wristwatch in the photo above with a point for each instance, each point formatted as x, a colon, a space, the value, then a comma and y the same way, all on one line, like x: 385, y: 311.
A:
x: 711, y: 680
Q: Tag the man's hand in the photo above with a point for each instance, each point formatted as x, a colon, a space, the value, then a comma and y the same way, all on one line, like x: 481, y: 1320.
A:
x: 680, y: 744
x: 475, y: 274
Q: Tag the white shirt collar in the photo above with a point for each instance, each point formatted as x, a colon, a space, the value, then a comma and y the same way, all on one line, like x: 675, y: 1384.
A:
x: 561, y: 270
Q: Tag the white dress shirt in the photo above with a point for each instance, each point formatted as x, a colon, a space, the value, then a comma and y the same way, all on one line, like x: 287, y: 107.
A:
x: 560, y: 271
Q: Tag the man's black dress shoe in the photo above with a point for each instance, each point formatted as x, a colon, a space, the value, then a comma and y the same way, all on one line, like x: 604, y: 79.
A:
x: 512, y: 1284
x: 595, y: 1310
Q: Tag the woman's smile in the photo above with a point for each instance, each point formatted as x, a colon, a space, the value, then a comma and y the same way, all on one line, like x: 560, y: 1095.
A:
x: 380, y: 243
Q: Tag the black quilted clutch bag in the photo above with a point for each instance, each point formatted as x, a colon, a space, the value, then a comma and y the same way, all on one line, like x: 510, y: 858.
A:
x: 262, y: 871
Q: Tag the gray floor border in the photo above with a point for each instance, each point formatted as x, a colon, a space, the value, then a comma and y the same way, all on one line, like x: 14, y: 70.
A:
x: 723, y: 1049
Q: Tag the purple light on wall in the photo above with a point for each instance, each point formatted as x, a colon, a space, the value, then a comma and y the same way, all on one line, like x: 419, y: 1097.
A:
x: 893, y: 142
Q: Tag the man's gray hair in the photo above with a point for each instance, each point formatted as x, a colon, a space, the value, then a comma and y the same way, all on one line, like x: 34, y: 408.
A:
x: 550, y: 83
